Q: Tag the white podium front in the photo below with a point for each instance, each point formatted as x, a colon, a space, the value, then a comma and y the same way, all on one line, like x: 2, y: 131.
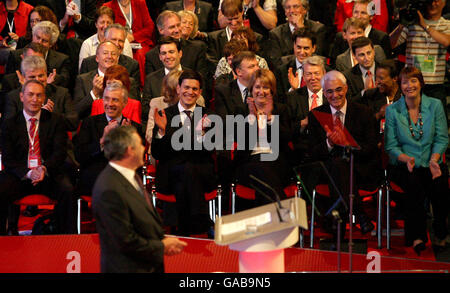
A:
x: 261, y: 234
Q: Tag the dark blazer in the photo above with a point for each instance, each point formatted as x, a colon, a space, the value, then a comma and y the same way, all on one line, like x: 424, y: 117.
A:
x: 344, y: 62
x: 360, y: 123
x: 130, y: 230
x: 132, y: 66
x: 355, y: 82
x: 228, y: 100
x: 59, y: 95
x: 10, y: 82
x: 194, y: 57
x: 82, y: 98
x: 376, y: 36
x: 15, y: 145
x: 86, y: 27
x: 218, y: 39
x: 55, y: 60
x: 281, y: 42
x: 281, y: 74
x: 203, y: 10
x: 168, y: 157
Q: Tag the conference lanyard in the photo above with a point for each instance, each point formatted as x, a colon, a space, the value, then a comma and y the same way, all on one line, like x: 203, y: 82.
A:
x: 130, y: 20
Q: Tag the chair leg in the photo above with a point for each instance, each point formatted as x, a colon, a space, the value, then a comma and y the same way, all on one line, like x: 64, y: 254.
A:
x: 388, y: 220
x: 79, y: 216
x: 313, y: 206
x: 233, y: 199
x: 299, y: 195
x: 219, y: 202
x: 379, y: 218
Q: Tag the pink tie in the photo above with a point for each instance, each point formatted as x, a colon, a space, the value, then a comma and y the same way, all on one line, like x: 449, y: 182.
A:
x: 314, y: 102
x: 369, y: 80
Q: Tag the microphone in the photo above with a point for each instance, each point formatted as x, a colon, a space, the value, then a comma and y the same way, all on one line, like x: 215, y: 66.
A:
x: 278, y: 206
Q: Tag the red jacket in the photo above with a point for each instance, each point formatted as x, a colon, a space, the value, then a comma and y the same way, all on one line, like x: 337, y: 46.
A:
x: 142, y: 25
x: 345, y: 10
x: 20, y: 17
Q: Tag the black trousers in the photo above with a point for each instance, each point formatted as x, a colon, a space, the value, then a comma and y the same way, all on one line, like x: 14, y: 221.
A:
x: 59, y: 188
x: 418, y: 186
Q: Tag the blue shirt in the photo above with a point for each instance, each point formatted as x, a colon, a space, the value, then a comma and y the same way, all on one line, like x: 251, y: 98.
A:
x: 398, y: 138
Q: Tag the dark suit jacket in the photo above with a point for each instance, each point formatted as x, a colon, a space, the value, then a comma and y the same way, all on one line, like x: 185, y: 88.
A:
x: 376, y: 36
x: 15, y: 145
x: 86, y: 27
x: 132, y: 66
x: 59, y: 95
x: 280, y: 39
x: 168, y: 157
x: 152, y: 89
x: 203, y: 10
x: 194, y: 57
x: 344, y: 62
x: 360, y: 123
x: 130, y: 230
x: 281, y: 74
x: 55, y: 60
x: 228, y: 100
x: 374, y: 99
x: 82, y: 98
x: 355, y: 82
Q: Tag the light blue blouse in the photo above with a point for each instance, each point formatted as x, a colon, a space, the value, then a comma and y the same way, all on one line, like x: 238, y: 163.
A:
x: 398, y: 138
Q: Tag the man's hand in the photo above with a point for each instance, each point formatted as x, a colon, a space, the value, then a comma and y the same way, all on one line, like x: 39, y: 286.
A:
x: 51, y: 77
x: 38, y: 175
x: 97, y: 85
x: 49, y: 105
x: 173, y: 245
x: 111, y: 125
x: 202, y: 124
x: 293, y: 78
x: 160, y: 121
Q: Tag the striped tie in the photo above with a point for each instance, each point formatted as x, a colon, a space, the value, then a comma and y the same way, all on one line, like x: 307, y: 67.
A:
x: 35, y: 150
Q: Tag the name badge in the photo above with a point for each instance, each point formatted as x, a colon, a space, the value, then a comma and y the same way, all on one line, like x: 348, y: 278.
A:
x: 34, y: 162
x: 425, y: 63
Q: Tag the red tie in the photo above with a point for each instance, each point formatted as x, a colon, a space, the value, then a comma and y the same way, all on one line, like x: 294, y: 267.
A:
x: 34, y: 150
x: 314, y: 102
x: 369, y: 80
x: 337, y: 120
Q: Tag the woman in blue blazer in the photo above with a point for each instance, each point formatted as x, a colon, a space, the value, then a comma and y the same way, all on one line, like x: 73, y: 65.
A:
x: 416, y: 138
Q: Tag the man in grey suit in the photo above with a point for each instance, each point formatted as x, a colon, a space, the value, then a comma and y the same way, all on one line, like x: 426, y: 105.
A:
x: 353, y: 28
x: 131, y: 236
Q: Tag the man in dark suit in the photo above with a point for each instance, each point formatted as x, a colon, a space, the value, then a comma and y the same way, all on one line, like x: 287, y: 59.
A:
x: 290, y: 74
x: 281, y: 41
x: 89, y: 85
x: 130, y: 230
x: 203, y: 10
x: 188, y: 173
x: 302, y: 100
x: 34, y: 147
x: 46, y: 33
x: 361, y: 77
x: 170, y: 54
x: 115, y: 33
x: 194, y: 52
x: 57, y: 100
x: 378, y: 37
x: 326, y: 144
x: 88, y: 142
x: 73, y: 17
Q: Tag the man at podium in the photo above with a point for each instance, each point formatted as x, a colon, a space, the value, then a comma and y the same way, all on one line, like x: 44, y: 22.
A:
x: 336, y: 129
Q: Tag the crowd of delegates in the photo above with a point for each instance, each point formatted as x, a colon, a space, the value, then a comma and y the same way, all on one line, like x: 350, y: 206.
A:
x: 273, y: 60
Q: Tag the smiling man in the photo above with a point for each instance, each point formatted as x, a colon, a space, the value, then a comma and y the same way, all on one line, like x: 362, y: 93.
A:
x: 187, y: 173
x: 170, y: 54
x: 325, y: 145
x: 89, y: 141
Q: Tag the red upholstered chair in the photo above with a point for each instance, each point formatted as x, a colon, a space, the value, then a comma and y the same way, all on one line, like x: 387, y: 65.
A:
x: 133, y: 109
x: 35, y: 200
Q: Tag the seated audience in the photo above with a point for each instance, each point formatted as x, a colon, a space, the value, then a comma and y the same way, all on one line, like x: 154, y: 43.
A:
x: 202, y: 10
x: 231, y: 49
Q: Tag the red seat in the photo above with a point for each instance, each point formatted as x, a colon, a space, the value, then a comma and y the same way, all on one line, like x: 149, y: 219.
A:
x: 35, y: 200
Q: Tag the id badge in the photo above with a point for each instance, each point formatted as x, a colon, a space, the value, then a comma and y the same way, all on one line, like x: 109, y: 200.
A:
x: 425, y: 63
x: 34, y: 162
x: 382, y: 123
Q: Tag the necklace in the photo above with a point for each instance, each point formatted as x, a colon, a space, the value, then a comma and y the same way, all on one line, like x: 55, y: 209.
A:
x: 419, y: 122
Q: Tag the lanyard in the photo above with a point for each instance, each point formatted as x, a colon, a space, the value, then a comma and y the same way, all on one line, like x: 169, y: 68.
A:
x: 129, y: 21
x: 10, y: 24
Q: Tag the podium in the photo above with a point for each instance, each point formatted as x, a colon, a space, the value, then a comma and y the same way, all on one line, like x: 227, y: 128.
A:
x: 261, y: 234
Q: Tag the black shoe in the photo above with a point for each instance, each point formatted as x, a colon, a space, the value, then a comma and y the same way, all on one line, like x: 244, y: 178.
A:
x: 419, y: 248
x: 13, y: 232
